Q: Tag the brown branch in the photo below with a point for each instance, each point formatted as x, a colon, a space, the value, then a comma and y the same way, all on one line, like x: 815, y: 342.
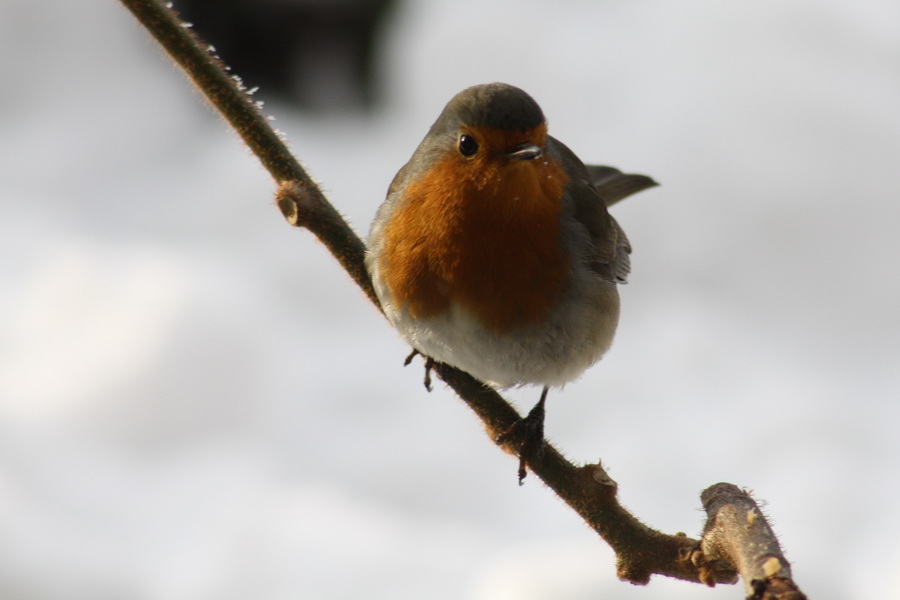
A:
x: 640, y: 550
x: 303, y: 205
x: 224, y: 91
x: 737, y: 533
x: 236, y: 105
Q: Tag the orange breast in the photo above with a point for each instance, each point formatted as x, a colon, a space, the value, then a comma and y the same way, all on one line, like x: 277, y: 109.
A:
x: 482, y: 234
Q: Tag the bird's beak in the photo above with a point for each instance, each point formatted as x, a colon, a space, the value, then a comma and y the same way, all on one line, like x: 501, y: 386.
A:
x: 525, y: 152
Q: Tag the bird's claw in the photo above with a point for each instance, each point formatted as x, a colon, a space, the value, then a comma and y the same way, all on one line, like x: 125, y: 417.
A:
x: 429, y: 365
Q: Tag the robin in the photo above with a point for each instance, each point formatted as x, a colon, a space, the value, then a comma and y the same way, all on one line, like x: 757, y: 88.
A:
x: 494, y: 251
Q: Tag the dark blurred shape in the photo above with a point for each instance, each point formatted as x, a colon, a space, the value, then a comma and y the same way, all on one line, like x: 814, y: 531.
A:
x: 319, y: 54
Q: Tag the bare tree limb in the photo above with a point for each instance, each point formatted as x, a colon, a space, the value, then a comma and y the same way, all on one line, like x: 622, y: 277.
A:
x: 726, y: 548
x: 303, y: 205
x: 737, y: 533
x: 590, y: 492
x: 227, y: 94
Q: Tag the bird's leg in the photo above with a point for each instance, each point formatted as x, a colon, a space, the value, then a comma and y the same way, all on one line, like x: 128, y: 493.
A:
x: 531, y: 431
x: 409, y: 358
x: 429, y: 365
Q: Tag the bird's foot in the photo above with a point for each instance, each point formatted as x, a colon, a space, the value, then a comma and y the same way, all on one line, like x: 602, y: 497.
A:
x: 528, y: 433
x: 429, y: 365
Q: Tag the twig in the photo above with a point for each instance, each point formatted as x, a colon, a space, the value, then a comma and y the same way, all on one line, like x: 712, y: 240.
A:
x: 640, y: 550
x: 303, y: 205
x: 736, y: 532
x: 227, y: 94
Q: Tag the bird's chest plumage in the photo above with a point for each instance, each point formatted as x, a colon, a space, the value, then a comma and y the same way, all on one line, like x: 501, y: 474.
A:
x: 489, y: 244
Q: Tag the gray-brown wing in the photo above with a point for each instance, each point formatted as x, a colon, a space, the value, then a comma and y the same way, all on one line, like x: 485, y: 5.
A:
x: 611, y: 246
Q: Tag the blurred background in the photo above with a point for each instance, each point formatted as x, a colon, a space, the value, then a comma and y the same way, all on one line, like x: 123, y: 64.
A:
x: 196, y: 403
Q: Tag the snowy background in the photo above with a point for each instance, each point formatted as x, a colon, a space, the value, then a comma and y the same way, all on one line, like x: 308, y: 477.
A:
x: 196, y: 403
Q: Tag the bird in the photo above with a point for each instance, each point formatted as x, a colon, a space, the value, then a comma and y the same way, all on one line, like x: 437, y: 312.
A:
x: 494, y: 251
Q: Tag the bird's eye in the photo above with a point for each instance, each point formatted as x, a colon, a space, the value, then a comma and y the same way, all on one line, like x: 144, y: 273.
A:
x: 467, y: 145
